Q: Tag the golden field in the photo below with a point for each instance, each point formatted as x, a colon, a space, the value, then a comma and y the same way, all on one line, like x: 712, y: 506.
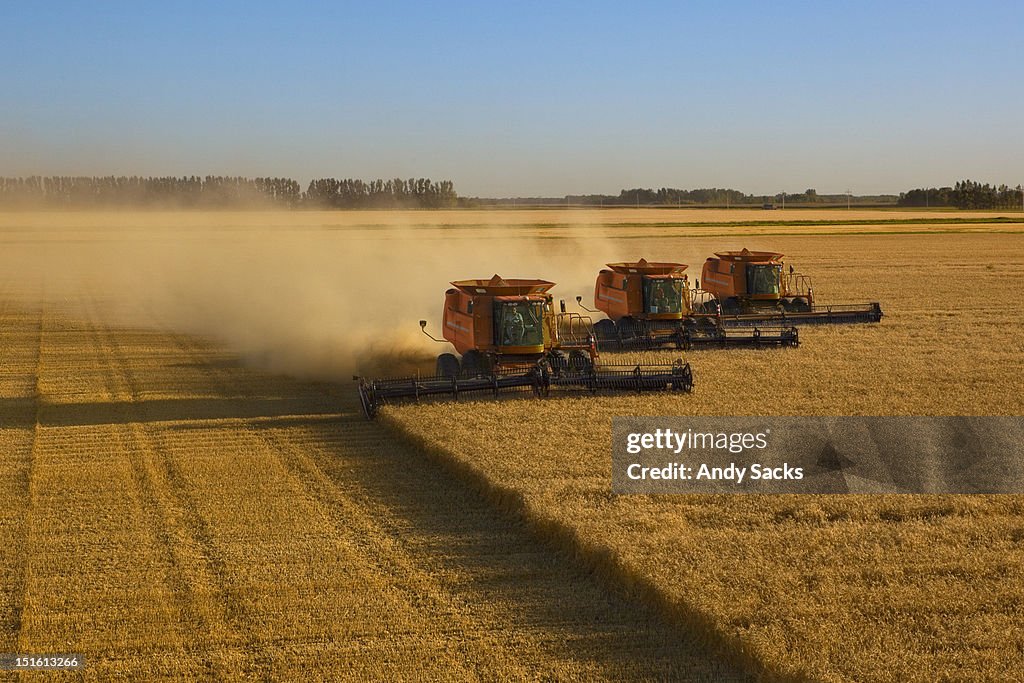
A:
x: 190, y: 492
x: 172, y: 512
x: 829, y: 588
x: 468, y: 225
x: 174, y: 515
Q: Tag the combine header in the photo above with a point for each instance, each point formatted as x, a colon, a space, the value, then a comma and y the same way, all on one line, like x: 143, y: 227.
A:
x: 510, y: 338
x: 750, y: 288
x: 649, y: 306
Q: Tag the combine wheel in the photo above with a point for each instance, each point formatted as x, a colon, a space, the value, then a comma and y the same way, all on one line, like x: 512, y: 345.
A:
x: 731, y: 306
x: 475, y: 363
x: 558, y: 361
x: 801, y: 306
x: 709, y: 307
x: 795, y: 305
x: 580, y: 362
x: 604, y: 330
x: 447, y: 365
x: 628, y: 328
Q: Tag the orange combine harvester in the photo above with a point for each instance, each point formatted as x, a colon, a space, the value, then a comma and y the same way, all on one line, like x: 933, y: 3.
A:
x: 751, y: 287
x: 510, y: 337
x: 649, y: 305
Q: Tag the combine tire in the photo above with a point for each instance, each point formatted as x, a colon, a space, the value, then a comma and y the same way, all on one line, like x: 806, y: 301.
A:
x: 731, y: 306
x: 604, y: 330
x: 708, y: 326
x: 708, y: 307
x: 558, y: 361
x: 447, y: 366
x: 628, y: 329
x: 794, y: 305
x: 580, y: 362
x: 475, y: 363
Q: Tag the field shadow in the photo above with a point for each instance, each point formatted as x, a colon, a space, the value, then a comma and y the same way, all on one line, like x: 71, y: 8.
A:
x: 485, y: 554
x: 18, y: 413
x: 268, y: 422
x: 192, y: 410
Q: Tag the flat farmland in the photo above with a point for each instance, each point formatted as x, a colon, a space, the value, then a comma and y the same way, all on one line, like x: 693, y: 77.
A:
x: 172, y: 514
x: 189, y: 490
x: 810, y: 587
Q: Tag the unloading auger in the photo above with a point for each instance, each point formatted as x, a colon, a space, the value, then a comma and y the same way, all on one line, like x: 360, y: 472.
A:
x: 510, y: 338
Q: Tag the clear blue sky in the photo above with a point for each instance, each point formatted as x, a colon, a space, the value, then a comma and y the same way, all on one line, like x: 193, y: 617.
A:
x: 523, y: 99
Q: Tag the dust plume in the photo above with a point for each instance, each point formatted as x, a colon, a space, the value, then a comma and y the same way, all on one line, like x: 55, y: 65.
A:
x: 306, y: 300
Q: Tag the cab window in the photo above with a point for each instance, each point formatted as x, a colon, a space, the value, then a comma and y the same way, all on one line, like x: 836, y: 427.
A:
x: 763, y: 279
x: 519, y: 323
x: 663, y: 296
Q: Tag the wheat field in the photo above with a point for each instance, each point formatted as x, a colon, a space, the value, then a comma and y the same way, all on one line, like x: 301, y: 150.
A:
x: 173, y: 511
x: 834, y: 588
x: 171, y: 514
x: 189, y: 491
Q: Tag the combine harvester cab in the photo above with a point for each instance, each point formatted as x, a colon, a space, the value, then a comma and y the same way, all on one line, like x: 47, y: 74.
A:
x: 510, y: 338
x: 751, y: 287
x: 649, y: 306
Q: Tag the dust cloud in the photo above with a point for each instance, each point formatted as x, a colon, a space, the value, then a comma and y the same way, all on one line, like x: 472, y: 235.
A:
x: 308, y: 300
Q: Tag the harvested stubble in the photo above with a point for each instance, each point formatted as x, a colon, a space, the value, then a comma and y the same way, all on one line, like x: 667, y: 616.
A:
x: 173, y: 515
x: 826, y: 587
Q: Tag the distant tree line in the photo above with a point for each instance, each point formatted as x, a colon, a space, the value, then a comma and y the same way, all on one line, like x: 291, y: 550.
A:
x: 396, y: 193
x: 713, y: 196
x: 662, y: 197
x: 667, y: 195
x: 222, y: 192
x: 966, y: 194
x: 185, y: 192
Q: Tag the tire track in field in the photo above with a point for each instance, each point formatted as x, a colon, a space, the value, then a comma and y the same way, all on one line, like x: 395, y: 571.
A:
x: 16, y: 479
x: 378, y: 550
x: 364, y: 550
x: 278, y: 649
x: 196, y: 574
x: 382, y: 552
x: 461, y: 557
x: 95, y: 521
